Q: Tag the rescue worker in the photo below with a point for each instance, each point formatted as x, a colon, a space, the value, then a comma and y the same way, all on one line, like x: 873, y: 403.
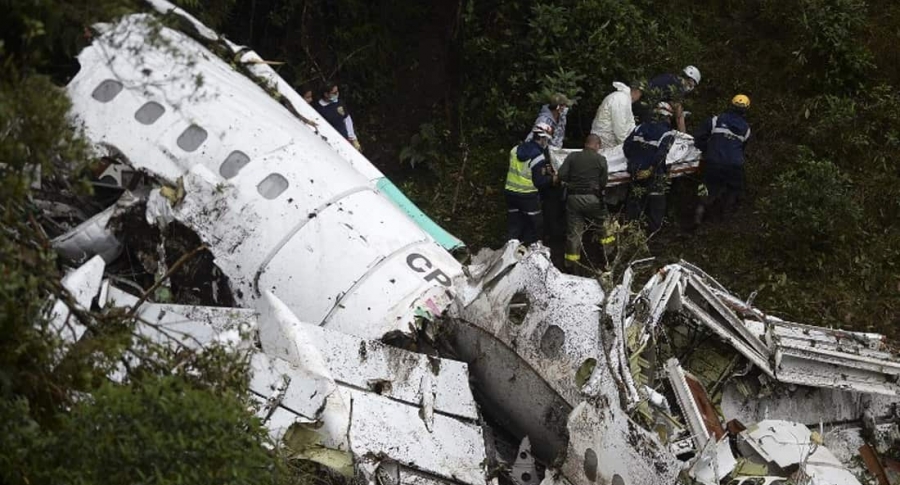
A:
x: 723, y: 139
x: 584, y: 174
x: 307, y: 93
x: 554, y: 114
x: 646, y: 149
x: 672, y: 89
x: 528, y: 173
x: 332, y: 109
x: 615, y: 118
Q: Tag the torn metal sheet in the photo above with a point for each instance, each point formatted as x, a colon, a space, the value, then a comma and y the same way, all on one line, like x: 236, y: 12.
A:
x: 715, y: 462
x: 809, y: 406
x: 526, y: 346
x: 416, y: 422
x: 92, y: 237
x: 723, y: 315
x: 790, y: 353
x: 190, y: 326
x: 293, y: 102
x: 616, y: 348
x: 789, y: 444
x: 83, y: 283
x: 555, y: 328
x: 263, y: 189
x: 371, y: 365
x: 604, y: 444
x: 523, y: 470
x: 383, y: 427
x: 286, y: 386
x: 689, y: 408
x: 534, y: 343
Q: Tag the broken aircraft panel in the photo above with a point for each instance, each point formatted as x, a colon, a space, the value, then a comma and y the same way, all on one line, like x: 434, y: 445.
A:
x: 264, y: 73
x: 533, y: 340
x: 270, y: 196
x: 312, y: 397
x: 792, y: 354
x: 307, y: 230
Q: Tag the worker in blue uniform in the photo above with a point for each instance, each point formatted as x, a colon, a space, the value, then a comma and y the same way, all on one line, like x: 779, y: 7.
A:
x: 672, y: 89
x: 646, y: 149
x: 723, y: 140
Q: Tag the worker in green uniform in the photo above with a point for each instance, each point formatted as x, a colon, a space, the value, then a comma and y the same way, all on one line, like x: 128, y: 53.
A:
x: 584, y: 175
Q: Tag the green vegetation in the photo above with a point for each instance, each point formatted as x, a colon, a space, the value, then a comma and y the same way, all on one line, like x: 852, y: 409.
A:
x: 817, y: 235
x: 177, y: 417
x: 439, y: 94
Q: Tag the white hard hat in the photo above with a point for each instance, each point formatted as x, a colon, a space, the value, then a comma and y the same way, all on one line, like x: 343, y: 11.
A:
x: 664, y: 109
x: 543, y: 130
x: 693, y: 73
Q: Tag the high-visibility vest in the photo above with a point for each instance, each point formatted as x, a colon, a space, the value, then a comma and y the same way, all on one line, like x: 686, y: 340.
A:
x: 518, y: 178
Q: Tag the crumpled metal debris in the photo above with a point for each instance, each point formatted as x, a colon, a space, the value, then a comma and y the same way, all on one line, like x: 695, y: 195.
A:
x: 535, y: 339
x: 84, y: 284
x: 523, y: 470
x: 92, y: 237
x: 278, y: 197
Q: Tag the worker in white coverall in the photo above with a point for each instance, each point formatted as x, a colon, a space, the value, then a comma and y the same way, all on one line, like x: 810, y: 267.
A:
x: 614, y: 119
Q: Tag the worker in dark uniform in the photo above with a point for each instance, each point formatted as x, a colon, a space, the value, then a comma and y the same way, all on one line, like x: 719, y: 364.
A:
x: 307, y: 92
x: 723, y: 139
x: 646, y: 149
x: 672, y: 89
x: 332, y: 109
x: 584, y: 175
x: 528, y: 173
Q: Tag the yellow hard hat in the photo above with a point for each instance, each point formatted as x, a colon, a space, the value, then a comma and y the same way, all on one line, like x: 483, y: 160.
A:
x: 741, y: 101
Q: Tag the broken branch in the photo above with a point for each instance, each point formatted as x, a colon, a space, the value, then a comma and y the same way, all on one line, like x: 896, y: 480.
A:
x: 178, y: 264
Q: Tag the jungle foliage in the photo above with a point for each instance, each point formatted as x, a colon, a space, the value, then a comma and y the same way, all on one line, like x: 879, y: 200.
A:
x: 439, y: 92
x: 177, y: 417
x: 817, y: 233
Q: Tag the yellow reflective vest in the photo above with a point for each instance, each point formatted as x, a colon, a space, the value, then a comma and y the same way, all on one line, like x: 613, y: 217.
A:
x: 518, y: 178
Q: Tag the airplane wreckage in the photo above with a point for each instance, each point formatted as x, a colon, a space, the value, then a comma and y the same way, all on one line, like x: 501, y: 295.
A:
x: 376, y: 353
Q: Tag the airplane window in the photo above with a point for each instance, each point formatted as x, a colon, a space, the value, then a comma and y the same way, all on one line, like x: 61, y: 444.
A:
x: 552, y: 341
x: 107, y: 90
x: 584, y: 372
x: 149, y: 113
x: 590, y: 464
x: 272, y: 186
x: 518, y: 308
x: 191, y: 138
x: 233, y: 164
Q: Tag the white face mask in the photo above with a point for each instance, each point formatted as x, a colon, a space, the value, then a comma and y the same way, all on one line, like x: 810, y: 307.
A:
x: 333, y: 98
x: 564, y: 110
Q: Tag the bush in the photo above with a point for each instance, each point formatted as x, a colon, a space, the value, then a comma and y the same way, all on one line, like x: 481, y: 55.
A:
x: 825, y: 40
x: 812, y: 205
x: 517, y: 53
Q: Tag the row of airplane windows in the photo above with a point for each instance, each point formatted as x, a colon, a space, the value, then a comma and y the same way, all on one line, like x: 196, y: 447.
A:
x: 192, y: 138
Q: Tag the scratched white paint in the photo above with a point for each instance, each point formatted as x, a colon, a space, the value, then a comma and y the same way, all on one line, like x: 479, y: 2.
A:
x: 83, y: 283
x: 374, y: 267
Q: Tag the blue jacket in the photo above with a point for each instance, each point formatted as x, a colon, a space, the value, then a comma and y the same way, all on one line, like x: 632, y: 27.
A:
x: 559, y: 127
x: 648, y: 146
x: 530, y: 150
x: 722, y: 138
x: 666, y: 87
